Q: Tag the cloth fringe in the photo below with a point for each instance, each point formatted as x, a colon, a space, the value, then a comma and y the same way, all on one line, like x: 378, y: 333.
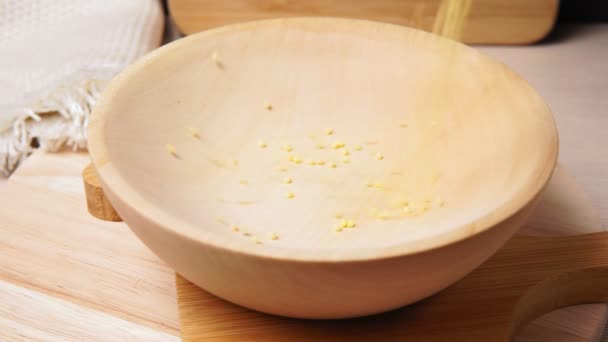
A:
x: 59, y: 120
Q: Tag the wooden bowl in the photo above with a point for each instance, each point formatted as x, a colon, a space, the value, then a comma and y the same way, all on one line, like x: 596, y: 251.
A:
x: 439, y: 152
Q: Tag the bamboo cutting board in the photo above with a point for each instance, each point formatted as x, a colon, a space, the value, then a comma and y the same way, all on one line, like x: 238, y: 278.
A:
x: 490, y: 21
x: 528, y: 277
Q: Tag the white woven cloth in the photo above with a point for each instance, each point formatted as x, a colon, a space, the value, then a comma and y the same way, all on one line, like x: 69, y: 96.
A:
x: 55, y: 57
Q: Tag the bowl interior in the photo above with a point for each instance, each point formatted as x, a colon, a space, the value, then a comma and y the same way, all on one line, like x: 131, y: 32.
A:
x: 439, y: 140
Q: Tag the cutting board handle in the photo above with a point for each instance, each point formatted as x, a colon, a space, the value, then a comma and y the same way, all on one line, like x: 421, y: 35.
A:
x: 568, y: 271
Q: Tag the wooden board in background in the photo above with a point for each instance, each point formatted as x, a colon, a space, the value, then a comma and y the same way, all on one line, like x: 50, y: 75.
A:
x: 490, y: 22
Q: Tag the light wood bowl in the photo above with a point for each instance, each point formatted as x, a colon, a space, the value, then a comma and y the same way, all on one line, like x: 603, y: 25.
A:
x: 480, y: 145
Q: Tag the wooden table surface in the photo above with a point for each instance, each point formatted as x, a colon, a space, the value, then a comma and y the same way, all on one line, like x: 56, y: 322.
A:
x: 67, y: 276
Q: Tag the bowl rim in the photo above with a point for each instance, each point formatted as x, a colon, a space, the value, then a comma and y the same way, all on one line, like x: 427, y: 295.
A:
x: 120, y: 190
